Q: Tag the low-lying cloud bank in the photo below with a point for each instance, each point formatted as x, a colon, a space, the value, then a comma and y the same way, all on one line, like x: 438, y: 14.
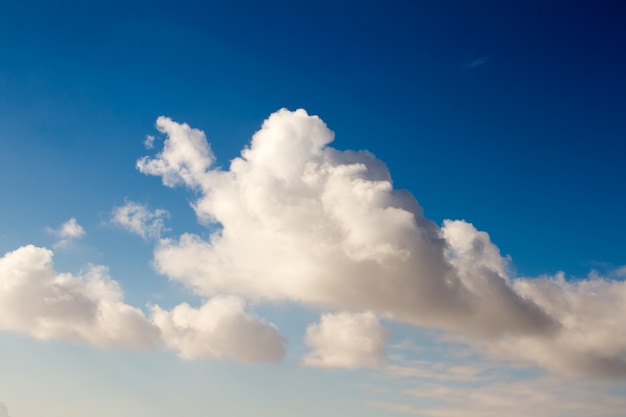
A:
x: 298, y: 220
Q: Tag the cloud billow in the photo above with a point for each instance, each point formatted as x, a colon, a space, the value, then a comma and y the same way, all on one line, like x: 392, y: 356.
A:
x: 302, y: 221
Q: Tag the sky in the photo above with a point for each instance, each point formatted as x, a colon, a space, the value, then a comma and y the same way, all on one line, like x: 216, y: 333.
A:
x: 338, y: 208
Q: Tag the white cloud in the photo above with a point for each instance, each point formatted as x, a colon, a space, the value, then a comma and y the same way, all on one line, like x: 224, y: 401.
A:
x: 302, y: 221
x: 185, y: 158
x: 37, y: 300
x: 346, y: 340
x: 67, y: 233
x: 149, y: 142
x: 221, y: 328
x: 138, y: 219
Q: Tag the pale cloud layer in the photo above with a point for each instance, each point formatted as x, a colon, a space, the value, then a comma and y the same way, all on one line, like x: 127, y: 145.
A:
x: 304, y: 222
x: 138, y: 219
x: 545, y: 397
x: 67, y: 233
x: 346, y: 340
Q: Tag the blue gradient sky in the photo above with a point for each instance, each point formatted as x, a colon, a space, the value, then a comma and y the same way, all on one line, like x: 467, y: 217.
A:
x: 509, y: 115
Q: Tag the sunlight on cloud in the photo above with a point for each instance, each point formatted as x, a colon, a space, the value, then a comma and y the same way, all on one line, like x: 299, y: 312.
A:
x: 302, y: 221
x: 346, y: 340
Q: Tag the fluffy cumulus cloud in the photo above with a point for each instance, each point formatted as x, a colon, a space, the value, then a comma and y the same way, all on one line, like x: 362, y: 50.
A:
x: 138, y: 219
x: 37, y: 300
x: 67, y: 233
x: 301, y: 221
x: 221, y: 328
x: 346, y: 340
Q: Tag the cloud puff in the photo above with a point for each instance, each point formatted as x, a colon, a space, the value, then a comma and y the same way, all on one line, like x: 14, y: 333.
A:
x: 37, y: 300
x: 67, y: 233
x: 221, y: 328
x: 149, y: 142
x: 138, y: 219
x: 346, y: 340
x: 302, y: 221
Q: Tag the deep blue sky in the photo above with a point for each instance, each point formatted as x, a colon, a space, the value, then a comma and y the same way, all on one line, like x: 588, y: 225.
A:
x: 527, y: 146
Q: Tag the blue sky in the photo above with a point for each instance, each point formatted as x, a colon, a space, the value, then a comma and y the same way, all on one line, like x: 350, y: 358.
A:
x: 505, y: 116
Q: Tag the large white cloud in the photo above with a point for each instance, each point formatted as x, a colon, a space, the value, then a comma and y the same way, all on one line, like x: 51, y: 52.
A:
x: 37, y: 300
x: 302, y: 221
x: 346, y: 340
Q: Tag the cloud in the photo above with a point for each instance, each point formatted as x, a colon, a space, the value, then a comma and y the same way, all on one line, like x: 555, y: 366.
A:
x: 4, y: 412
x: 149, y: 142
x: 67, y: 233
x: 221, y: 328
x: 301, y: 221
x: 475, y: 63
x: 592, y: 340
x: 346, y: 340
x: 543, y: 396
x: 37, y: 300
x: 137, y: 219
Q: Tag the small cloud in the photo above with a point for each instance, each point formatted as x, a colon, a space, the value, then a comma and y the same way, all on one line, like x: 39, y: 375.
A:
x: 475, y: 63
x: 138, y: 219
x: 346, y: 340
x: 67, y: 233
x: 219, y: 329
x: 149, y: 142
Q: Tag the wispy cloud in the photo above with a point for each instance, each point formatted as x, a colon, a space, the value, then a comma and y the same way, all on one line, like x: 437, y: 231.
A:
x: 67, y: 233
x: 540, y: 396
x: 138, y: 219
x: 475, y: 63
